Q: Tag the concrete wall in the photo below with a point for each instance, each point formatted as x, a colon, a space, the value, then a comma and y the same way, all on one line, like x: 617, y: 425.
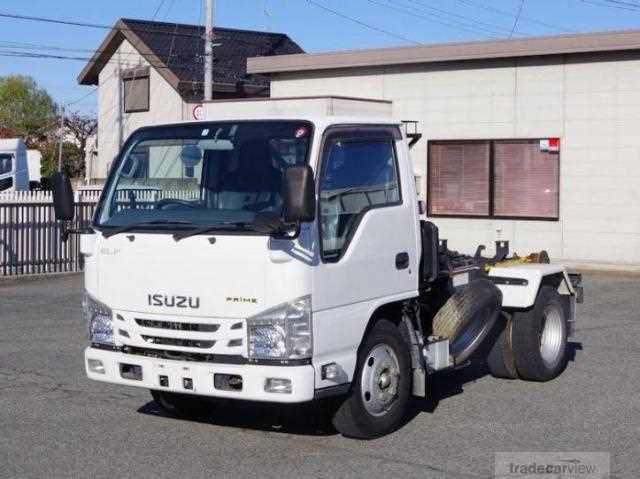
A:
x: 114, y: 126
x: 592, y: 102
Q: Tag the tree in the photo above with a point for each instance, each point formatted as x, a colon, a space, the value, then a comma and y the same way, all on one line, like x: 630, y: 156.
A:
x: 72, y: 159
x: 26, y: 108
x: 81, y: 127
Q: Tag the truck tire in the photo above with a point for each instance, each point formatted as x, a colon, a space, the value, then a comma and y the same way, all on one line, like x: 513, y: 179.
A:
x: 540, y: 337
x: 467, y: 317
x: 181, y: 405
x: 500, y: 360
x: 381, y: 389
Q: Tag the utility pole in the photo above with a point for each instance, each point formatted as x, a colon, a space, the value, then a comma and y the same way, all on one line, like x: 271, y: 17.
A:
x: 208, y: 53
x: 61, y: 137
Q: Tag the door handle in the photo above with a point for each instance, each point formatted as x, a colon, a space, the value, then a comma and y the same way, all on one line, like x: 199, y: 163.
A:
x: 402, y: 260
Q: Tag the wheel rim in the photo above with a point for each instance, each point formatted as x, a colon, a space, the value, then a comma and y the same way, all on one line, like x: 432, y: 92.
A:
x: 471, y: 336
x: 379, y: 380
x: 552, y: 336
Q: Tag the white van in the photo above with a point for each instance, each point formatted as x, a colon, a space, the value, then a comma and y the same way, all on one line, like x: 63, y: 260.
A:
x: 14, y: 173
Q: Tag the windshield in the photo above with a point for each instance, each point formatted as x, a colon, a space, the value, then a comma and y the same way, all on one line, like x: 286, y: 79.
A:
x: 6, y: 163
x: 204, y: 174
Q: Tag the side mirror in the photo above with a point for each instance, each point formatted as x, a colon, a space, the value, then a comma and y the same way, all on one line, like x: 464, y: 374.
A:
x: 62, y: 197
x: 299, y: 192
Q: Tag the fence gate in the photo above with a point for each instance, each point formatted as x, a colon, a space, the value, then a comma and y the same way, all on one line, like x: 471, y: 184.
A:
x: 30, y: 238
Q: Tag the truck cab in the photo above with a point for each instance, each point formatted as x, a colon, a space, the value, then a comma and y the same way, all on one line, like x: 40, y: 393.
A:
x: 282, y: 257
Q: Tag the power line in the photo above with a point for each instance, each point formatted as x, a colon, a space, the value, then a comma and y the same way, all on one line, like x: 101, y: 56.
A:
x: 83, y: 97
x: 434, y: 19
x: 219, y: 33
x: 189, y: 67
x: 166, y: 13
x: 489, y: 8
x: 515, y: 22
x: 39, y: 46
x: 361, y: 23
x: 155, y: 14
x: 611, y: 5
x: 143, y: 29
x: 183, y: 66
x: 173, y: 42
x: 619, y: 2
x: 454, y: 17
x: 86, y: 24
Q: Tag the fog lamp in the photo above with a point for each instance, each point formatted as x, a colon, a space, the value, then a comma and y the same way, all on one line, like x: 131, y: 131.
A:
x: 278, y: 385
x: 95, y: 366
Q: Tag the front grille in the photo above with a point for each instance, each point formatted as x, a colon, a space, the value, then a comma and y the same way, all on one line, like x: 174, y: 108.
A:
x: 176, y: 326
x: 186, y: 343
x: 185, y: 356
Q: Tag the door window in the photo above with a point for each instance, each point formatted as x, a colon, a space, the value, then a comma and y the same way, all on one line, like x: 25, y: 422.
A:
x: 6, y: 164
x: 357, y: 175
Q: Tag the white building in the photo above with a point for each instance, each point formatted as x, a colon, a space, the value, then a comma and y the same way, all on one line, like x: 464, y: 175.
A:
x: 151, y: 72
x: 535, y: 141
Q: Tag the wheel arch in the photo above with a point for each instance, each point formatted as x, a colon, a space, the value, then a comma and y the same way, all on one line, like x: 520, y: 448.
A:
x: 392, y: 312
x: 344, y: 344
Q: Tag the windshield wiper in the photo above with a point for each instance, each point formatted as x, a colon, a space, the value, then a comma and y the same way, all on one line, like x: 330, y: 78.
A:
x: 129, y: 227
x: 212, y: 228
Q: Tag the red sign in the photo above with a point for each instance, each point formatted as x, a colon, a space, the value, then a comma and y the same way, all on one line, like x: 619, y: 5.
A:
x: 552, y: 145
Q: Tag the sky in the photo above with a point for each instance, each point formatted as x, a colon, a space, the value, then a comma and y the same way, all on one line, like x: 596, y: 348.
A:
x: 314, y: 28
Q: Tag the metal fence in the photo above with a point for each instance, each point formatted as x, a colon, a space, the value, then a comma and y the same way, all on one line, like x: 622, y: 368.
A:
x: 31, y: 239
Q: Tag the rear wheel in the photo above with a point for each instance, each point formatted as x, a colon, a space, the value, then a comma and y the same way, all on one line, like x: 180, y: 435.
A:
x: 181, y: 405
x: 500, y: 360
x: 381, y: 388
x: 540, y: 337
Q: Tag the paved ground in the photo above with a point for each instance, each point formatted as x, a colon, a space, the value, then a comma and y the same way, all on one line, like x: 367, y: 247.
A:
x: 56, y: 423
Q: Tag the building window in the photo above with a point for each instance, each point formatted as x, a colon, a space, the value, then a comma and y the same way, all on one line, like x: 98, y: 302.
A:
x: 357, y: 175
x: 136, y: 90
x: 494, y: 179
x: 459, y: 178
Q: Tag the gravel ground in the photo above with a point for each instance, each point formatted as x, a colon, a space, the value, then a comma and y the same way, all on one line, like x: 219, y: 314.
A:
x: 56, y: 423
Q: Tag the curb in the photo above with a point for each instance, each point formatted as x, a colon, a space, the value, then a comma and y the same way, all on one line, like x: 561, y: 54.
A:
x: 24, y: 278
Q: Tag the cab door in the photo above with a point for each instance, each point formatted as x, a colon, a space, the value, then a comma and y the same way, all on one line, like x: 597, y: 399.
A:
x: 367, y: 242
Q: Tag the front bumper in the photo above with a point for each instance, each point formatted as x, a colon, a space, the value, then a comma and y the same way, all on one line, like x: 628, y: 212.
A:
x: 201, y: 376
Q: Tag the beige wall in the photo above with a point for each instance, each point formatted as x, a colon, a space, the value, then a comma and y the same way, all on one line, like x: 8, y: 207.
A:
x: 114, y: 126
x: 591, y: 102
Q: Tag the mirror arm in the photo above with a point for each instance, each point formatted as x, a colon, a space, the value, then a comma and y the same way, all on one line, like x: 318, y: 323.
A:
x: 66, y: 231
x: 289, y: 231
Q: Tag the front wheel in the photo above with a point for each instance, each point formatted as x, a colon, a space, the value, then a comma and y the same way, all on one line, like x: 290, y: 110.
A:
x: 381, y: 387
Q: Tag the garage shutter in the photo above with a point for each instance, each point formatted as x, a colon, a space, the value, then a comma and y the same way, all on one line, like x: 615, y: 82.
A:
x: 459, y: 178
x: 526, y: 180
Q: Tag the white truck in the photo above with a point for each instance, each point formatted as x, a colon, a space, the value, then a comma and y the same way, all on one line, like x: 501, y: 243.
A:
x: 282, y: 257
x: 14, y: 170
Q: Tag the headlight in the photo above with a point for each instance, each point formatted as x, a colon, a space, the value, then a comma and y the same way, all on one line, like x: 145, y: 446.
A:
x: 283, y: 332
x: 99, y: 320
